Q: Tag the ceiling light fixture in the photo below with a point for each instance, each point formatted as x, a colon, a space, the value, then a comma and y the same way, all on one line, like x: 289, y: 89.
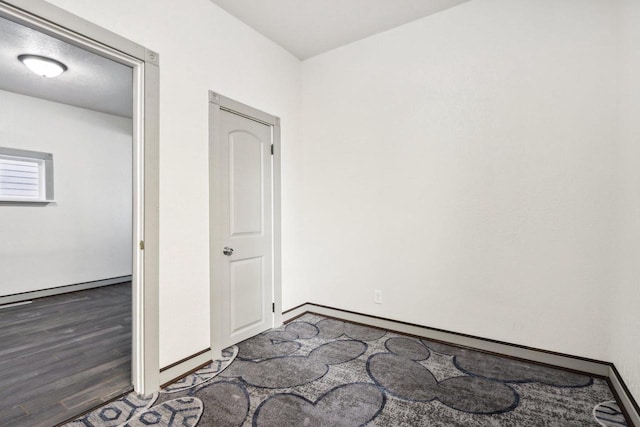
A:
x: 42, y: 66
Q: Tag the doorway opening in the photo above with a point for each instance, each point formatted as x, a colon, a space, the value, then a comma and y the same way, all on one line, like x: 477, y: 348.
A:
x: 141, y: 251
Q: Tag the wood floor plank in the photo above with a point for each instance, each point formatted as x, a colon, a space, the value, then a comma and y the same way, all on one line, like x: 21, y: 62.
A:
x: 12, y: 414
x: 61, y: 355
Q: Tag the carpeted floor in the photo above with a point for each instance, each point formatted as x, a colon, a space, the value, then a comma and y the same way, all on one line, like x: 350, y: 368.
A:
x: 317, y: 371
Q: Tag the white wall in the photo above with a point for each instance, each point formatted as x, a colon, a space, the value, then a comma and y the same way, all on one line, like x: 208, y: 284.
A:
x: 203, y: 48
x: 463, y: 164
x: 86, y: 234
x: 625, y: 313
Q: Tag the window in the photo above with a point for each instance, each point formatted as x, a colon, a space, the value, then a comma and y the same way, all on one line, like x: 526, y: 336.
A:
x: 25, y: 176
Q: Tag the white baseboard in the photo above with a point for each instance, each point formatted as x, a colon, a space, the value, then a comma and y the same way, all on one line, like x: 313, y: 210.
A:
x: 26, y: 296
x: 593, y: 367
x: 179, y: 369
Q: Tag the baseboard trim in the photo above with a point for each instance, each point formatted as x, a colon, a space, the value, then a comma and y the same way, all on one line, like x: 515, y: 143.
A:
x: 171, y: 373
x: 629, y: 404
x: 295, y: 308
x: 566, y: 361
x: 591, y: 366
x: 31, y: 295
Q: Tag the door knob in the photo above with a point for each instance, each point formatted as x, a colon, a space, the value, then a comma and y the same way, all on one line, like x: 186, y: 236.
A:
x: 227, y: 251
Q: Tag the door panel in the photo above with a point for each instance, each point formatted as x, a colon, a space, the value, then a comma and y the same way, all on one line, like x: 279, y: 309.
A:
x: 245, y: 165
x: 242, y: 221
x: 246, y: 294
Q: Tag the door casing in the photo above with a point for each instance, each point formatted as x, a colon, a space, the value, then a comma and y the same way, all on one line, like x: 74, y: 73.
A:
x: 218, y: 102
x: 57, y: 22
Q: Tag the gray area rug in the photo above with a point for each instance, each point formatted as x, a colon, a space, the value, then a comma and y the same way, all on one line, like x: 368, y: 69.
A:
x: 317, y: 371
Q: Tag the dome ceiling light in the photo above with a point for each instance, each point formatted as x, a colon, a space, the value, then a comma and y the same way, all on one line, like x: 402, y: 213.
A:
x: 42, y: 66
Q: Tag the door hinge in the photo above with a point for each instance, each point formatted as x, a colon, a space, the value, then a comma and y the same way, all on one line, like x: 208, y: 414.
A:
x: 273, y: 307
x: 272, y: 149
x: 141, y: 244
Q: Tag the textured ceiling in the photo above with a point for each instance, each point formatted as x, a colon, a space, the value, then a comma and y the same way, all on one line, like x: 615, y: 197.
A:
x: 310, y: 27
x: 91, y: 82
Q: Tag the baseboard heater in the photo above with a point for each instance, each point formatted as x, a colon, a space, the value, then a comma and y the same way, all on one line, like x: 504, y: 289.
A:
x: 598, y: 368
x: 41, y: 293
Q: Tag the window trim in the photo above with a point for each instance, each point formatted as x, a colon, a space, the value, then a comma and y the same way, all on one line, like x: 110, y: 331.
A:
x: 46, y: 162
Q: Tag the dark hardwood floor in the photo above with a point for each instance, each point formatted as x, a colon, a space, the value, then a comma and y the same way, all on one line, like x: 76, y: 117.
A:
x: 63, y: 355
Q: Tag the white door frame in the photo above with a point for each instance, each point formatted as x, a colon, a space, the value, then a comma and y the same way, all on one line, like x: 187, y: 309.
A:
x: 63, y: 25
x: 218, y: 102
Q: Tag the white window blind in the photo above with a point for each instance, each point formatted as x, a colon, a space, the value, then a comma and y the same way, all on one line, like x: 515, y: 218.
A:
x: 25, y: 176
x: 20, y: 178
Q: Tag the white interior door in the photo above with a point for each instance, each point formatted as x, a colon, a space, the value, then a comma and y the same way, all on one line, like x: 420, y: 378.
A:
x: 242, y: 241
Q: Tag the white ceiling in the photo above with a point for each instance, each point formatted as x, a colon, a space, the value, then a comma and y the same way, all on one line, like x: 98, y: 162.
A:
x: 303, y: 27
x: 91, y: 81
x: 310, y: 27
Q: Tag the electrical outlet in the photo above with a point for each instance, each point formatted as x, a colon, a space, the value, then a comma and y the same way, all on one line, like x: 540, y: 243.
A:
x: 377, y: 296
